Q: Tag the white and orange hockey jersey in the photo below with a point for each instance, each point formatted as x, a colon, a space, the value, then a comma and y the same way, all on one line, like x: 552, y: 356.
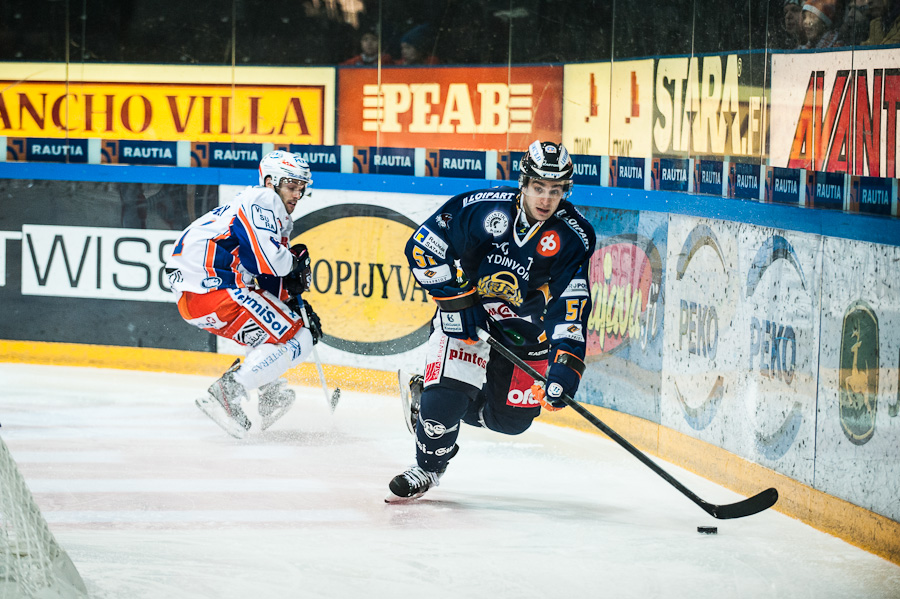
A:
x: 230, y: 245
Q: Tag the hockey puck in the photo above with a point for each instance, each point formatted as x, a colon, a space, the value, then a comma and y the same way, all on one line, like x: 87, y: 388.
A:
x: 707, y: 530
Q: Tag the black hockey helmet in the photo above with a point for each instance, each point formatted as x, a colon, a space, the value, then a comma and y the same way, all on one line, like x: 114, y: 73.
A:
x: 547, y: 161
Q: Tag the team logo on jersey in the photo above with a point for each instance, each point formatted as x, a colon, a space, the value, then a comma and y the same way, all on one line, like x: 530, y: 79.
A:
x: 431, y: 242
x: 263, y: 218
x: 496, y: 223
x: 503, y: 285
x: 211, y: 282
x: 549, y: 244
x: 443, y: 220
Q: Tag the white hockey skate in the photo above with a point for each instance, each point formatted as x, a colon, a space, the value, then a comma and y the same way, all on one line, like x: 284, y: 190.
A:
x: 223, y: 404
x: 275, y: 399
x: 410, y: 397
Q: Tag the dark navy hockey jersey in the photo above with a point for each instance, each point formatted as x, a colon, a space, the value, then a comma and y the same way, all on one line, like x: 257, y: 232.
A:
x: 533, y: 283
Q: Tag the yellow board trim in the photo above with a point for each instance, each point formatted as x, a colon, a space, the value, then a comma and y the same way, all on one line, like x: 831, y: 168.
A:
x: 185, y: 362
x: 856, y: 525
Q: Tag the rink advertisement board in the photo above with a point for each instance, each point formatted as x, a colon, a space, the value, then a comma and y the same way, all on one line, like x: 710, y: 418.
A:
x: 625, y: 326
x: 484, y: 108
x: 677, y: 107
x: 702, y: 345
x: 711, y: 106
x: 167, y: 103
x: 608, y: 108
x: 741, y: 340
x: 90, y: 269
x: 836, y: 111
x: 95, y: 262
x: 779, y: 324
x: 859, y: 386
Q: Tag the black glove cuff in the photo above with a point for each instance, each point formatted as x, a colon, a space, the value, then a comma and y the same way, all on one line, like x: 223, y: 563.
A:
x: 457, y: 303
x: 570, y: 360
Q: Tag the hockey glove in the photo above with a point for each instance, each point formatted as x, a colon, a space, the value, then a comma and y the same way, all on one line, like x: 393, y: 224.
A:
x: 462, y: 315
x: 563, y: 377
x: 314, y: 325
x: 299, y: 280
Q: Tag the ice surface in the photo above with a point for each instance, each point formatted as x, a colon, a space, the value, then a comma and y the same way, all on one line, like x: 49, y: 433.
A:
x: 153, y: 500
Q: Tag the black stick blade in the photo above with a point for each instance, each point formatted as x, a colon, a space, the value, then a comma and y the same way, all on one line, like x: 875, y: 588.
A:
x: 747, y: 507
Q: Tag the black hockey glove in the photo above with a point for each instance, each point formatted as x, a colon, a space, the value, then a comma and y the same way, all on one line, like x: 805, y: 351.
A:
x: 314, y: 325
x: 299, y: 280
x: 461, y: 315
x: 563, y: 376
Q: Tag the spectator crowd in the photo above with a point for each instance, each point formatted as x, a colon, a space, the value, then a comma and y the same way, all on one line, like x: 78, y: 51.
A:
x: 398, y: 32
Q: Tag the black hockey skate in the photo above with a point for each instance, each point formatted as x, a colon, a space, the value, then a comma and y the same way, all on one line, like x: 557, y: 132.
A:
x: 410, y: 397
x: 275, y: 399
x: 414, y: 482
x: 223, y: 404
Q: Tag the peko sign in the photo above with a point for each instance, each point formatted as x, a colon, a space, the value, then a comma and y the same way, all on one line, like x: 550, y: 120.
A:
x: 489, y: 108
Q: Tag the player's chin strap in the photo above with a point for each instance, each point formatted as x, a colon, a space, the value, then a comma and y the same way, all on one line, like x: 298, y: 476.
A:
x: 747, y: 507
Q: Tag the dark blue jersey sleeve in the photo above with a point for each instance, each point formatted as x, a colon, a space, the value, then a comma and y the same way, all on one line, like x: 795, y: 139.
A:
x: 447, y: 236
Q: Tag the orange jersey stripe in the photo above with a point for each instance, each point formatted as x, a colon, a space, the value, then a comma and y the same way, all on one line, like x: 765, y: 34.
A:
x: 261, y: 261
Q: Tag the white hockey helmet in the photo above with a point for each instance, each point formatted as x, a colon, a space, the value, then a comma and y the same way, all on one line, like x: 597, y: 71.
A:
x: 284, y: 165
x: 547, y: 161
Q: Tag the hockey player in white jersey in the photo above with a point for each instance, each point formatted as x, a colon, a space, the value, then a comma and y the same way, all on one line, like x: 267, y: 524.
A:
x: 236, y: 276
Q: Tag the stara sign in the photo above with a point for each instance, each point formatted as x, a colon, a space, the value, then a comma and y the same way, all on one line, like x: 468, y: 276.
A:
x: 200, y: 108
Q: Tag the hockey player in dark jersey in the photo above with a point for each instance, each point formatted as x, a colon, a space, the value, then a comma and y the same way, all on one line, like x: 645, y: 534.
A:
x: 513, y: 262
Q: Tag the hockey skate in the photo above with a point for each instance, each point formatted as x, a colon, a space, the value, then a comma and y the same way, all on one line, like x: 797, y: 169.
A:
x: 275, y: 399
x: 413, y: 483
x: 411, y: 397
x: 223, y: 404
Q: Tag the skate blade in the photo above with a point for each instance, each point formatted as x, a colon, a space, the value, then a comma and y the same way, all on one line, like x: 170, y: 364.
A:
x: 272, y: 418
x: 394, y: 499
x: 334, y: 399
x: 405, y: 402
x: 217, y: 414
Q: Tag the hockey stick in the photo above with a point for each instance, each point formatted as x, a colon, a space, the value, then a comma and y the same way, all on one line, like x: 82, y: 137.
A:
x: 746, y: 507
x: 331, y: 398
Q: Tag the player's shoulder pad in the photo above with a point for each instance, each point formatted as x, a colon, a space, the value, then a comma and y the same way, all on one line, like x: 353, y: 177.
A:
x: 264, y: 208
x: 578, y: 224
